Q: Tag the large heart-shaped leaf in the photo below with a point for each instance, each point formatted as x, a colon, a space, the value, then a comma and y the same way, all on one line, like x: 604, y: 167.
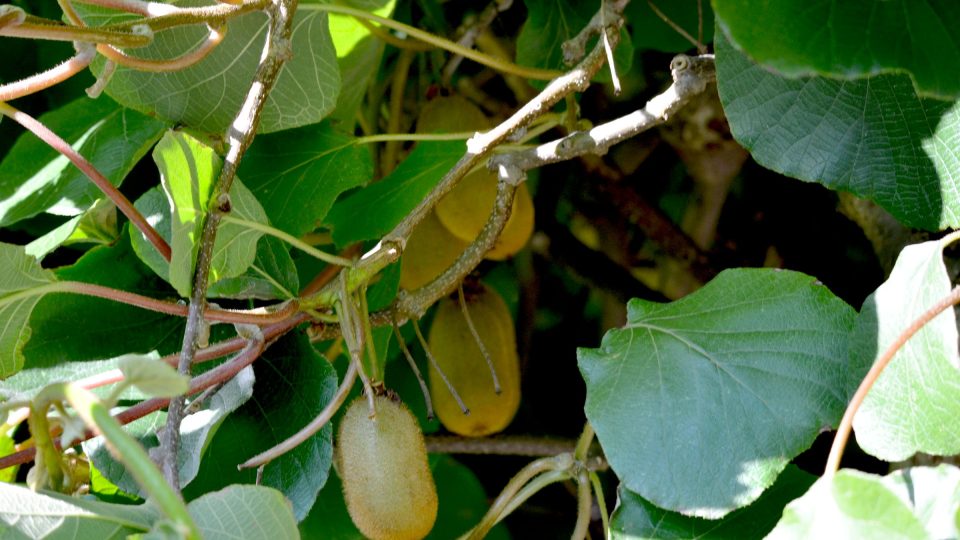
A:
x: 873, y: 137
x: 207, y: 95
x: 700, y: 403
x: 913, y: 405
x: 851, y: 39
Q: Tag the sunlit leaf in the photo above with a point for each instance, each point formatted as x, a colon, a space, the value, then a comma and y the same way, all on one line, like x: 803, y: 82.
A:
x: 700, y: 403
x: 912, y: 407
x: 248, y: 512
x: 21, y: 286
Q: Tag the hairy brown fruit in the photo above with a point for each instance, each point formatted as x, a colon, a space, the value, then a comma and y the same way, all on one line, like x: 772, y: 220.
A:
x: 430, y: 250
x: 387, y: 484
x: 460, y: 358
x: 451, y: 114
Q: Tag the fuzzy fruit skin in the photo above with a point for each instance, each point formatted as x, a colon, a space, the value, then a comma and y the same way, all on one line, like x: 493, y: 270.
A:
x: 387, y: 484
x: 430, y: 250
x: 460, y: 358
x: 465, y: 210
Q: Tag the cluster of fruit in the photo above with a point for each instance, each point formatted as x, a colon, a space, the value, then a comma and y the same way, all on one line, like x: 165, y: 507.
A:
x: 388, y: 487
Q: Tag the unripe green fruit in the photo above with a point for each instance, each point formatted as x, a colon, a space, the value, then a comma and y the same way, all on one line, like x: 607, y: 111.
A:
x: 387, y: 484
x: 460, y: 358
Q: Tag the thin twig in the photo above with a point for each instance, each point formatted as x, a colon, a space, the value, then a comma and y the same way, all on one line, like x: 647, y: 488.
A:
x: 276, y: 51
x: 846, y: 423
x: 470, y: 35
x: 476, y: 338
x: 436, y: 367
x: 314, y: 426
x: 584, y: 506
x: 416, y: 371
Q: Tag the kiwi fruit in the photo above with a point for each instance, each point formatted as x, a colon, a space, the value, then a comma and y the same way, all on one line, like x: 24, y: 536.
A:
x: 382, y: 460
x: 459, y: 356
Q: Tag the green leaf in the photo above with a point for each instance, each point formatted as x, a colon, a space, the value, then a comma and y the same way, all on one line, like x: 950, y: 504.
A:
x: 872, y: 137
x: 297, y: 174
x: 196, y: 432
x: 152, y: 377
x: 329, y: 519
x: 34, y: 178
x: 63, y: 328
x: 358, y: 56
x: 188, y: 172
x: 700, y: 403
x: 30, y: 380
x: 893, y: 424
x: 294, y: 384
x: 97, y: 225
x: 375, y: 210
x: 208, y: 95
x: 22, y: 284
x: 26, y: 514
x: 272, y: 275
x: 932, y: 492
x: 649, y: 31
x: 852, y: 504
x: 851, y: 40
x: 551, y: 22
x: 637, y: 519
x: 248, y: 512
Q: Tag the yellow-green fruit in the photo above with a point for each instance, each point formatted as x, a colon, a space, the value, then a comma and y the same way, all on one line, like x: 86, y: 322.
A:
x: 466, y: 209
x: 387, y: 483
x: 430, y: 250
x: 460, y: 358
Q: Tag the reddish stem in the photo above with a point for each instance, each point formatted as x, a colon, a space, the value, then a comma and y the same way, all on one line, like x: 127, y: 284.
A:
x: 846, y: 424
x: 50, y: 77
x: 58, y: 144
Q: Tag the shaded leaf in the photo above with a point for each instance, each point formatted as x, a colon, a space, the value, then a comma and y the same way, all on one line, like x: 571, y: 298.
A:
x: 852, y: 504
x: 22, y: 284
x: 872, y: 137
x: 64, y: 330
x: 551, y: 22
x: 294, y: 384
x: 851, y: 39
x: 297, y: 174
x: 637, y: 519
x: 272, y: 276
x: 196, y: 431
x: 208, y: 95
x: 375, y: 210
x: 26, y: 514
x: 248, y: 512
x: 700, y: 403
x: 649, y: 31
x: 912, y: 407
x: 35, y: 178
